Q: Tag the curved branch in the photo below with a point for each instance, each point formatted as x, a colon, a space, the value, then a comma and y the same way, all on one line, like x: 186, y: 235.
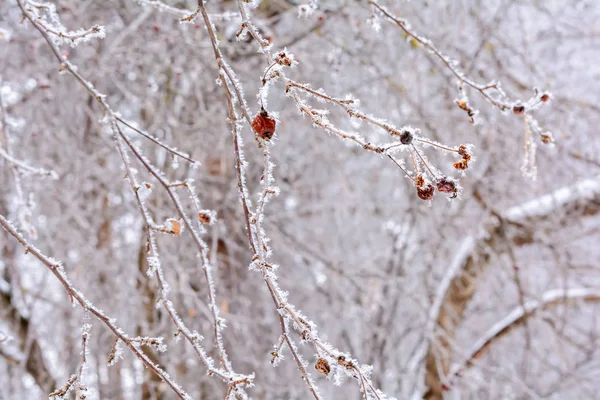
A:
x: 518, y: 316
x: 459, y: 285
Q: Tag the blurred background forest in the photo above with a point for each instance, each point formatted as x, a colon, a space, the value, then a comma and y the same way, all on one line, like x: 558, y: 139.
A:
x: 491, y: 295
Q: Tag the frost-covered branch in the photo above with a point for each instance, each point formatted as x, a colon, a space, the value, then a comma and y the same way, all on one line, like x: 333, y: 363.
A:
x: 193, y: 338
x: 343, y: 364
x: 491, y: 91
x: 501, y: 101
x: 425, y: 177
x: 56, y: 268
x: 76, y: 380
x: 184, y: 13
x: 19, y: 168
x: 314, y: 134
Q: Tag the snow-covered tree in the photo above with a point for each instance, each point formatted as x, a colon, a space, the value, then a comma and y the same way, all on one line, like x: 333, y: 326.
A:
x: 292, y: 199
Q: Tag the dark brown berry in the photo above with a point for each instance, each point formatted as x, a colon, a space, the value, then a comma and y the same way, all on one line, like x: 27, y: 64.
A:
x: 264, y: 125
x: 518, y: 109
x: 545, y: 97
x: 426, y: 192
x: 406, y: 137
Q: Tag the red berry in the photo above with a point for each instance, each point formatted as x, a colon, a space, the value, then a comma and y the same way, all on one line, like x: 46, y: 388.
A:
x: 264, y: 125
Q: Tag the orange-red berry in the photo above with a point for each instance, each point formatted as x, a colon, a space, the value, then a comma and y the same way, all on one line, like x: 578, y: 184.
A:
x: 264, y: 125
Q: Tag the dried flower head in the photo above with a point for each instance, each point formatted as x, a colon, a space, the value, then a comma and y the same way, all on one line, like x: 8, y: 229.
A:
x: 461, y: 165
x: 173, y: 226
x: 446, y: 185
x: 285, y: 59
x: 466, y: 157
x: 264, y: 125
x: 462, y: 104
x: 204, y: 217
x: 426, y: 192
x: 322, y: 366
x: 547, y: 138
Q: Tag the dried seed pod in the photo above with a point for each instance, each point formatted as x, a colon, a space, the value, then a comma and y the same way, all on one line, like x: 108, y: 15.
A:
x: 462, y: 104
x: 447, y: 185
x: 462, y: 150
x: 322, y: 366
x: 204, y: 217
x: 406, y: 137
x: 547, y: 138
x: 284, y: 59
x: 426, y: 192
x: 173, y: 226
x: 264, y: 125
x: 420, y: 181
x: 461, y: 165
x: 471, y: 115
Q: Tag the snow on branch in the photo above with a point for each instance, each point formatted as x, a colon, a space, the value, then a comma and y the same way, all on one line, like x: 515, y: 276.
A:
x: 563, y: 199
x: 517, y: 317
